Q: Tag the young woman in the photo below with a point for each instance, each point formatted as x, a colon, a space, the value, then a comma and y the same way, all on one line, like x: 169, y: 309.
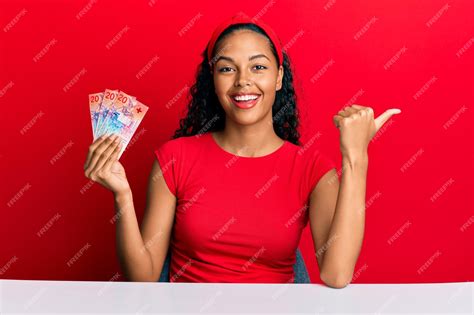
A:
x: 232, y: 191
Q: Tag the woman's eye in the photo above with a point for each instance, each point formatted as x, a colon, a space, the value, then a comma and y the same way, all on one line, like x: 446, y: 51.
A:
x: 261, y: 67
x: 225, y: 69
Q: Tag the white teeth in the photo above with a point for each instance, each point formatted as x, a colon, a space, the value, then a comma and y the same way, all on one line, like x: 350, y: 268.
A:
x: 245, y: 97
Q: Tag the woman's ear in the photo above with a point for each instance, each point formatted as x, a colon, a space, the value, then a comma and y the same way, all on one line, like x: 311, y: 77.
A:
x: 279, y: 78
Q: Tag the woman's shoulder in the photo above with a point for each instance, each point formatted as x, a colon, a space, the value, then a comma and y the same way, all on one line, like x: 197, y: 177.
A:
x: 304, y: 151
x: 310, y: 155
x: 182, y: 144
x: 312, y: 162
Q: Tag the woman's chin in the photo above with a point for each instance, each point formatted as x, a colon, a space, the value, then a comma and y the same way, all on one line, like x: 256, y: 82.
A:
x: 247, y: 118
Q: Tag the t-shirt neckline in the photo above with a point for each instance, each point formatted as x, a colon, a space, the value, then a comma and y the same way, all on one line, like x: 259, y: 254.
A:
x: 267, y: 156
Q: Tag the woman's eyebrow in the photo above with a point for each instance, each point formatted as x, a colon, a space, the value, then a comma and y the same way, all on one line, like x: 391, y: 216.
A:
x: 250, y: 58
x: 258, y: 56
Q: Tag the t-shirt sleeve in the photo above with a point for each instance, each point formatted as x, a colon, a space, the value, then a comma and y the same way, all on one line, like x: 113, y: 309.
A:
x: 317, y: 166
x: 167, y: 155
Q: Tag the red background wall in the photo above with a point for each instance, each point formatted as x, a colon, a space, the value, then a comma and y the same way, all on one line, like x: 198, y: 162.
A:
x: 417, y: 56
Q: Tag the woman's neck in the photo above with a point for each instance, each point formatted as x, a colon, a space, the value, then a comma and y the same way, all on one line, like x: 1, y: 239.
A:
x: 248, y: 141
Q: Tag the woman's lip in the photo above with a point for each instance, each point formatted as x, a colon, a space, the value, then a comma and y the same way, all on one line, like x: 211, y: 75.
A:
x: 246, y: 104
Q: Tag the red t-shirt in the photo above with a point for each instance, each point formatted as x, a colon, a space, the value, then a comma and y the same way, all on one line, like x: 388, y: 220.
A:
x: 238, y: 219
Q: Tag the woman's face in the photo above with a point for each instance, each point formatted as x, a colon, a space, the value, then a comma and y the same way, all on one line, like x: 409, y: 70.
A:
x: 246, y: 77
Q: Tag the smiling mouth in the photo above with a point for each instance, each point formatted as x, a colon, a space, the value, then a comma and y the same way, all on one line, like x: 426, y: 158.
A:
x: 245, y: 101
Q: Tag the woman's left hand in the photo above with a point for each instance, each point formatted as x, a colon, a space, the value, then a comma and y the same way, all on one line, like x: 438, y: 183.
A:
x: 357, y: 127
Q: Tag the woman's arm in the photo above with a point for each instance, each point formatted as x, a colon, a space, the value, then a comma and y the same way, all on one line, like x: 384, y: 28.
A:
x: 337, y: 212
x: 136, y: 264
x: 142, y: 252
x: 337, y: 220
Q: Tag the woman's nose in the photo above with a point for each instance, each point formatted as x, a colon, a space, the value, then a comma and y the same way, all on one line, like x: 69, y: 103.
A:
x: 242, y: 79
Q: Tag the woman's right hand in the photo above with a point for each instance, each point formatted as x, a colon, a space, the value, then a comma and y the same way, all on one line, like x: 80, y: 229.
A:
x: 103, y: 167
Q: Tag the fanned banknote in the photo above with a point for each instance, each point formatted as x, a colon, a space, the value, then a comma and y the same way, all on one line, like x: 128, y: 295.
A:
x: 105, y: 107
x: 94, y: 103
x: 115, y: 112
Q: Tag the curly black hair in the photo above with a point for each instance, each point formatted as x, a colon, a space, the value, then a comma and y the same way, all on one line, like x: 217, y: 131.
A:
x: 205, y: 113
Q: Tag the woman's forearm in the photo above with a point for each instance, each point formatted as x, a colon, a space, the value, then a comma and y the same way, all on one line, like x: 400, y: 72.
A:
x: 134, y: 257
x: 347, y: 229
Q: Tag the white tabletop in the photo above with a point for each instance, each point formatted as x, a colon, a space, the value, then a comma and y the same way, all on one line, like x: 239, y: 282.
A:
x: 32, y: 296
